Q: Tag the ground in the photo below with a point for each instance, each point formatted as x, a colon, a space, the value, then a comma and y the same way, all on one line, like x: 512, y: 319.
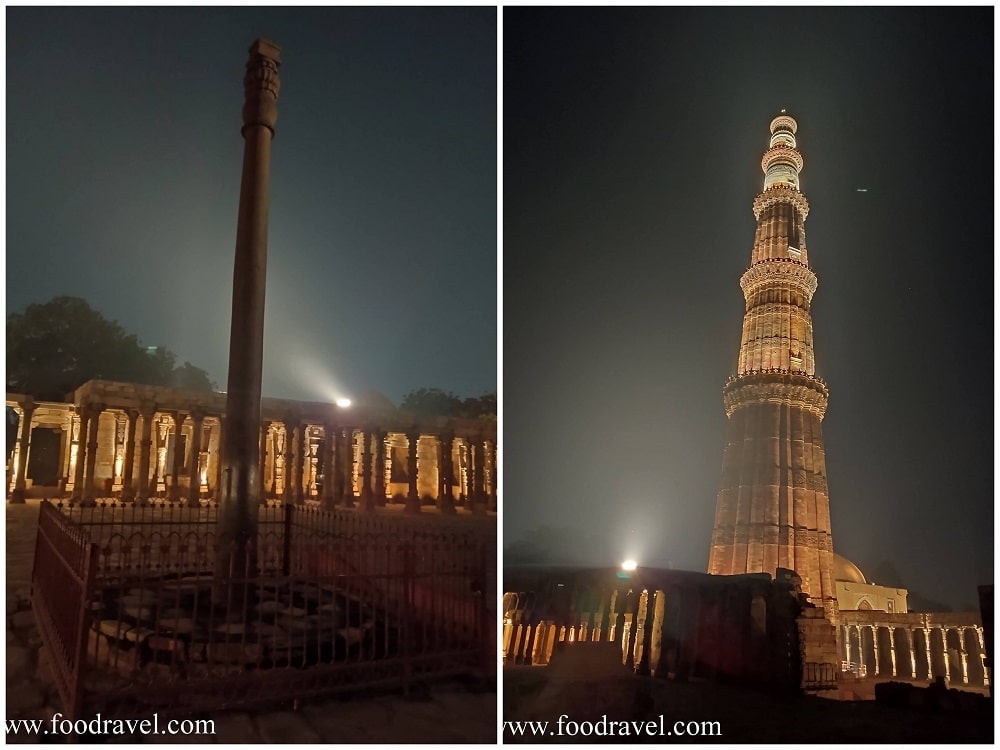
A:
x: 743, y: 715
x: 455, y: 711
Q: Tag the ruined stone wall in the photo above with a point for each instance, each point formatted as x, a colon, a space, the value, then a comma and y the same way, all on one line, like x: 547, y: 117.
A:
x: 818, y: 650
x: 669, y: 624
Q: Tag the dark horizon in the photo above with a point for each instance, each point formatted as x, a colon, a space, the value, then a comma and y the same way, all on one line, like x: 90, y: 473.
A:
x: 632, y: 150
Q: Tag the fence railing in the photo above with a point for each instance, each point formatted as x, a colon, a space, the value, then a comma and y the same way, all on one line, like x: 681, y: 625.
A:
x: 62, y: 581
x: 312, y: 610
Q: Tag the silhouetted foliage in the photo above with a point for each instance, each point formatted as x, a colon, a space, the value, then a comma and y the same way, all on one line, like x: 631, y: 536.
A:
x: 192, y: 378
x: 55, y: 347
x: 434, y: 401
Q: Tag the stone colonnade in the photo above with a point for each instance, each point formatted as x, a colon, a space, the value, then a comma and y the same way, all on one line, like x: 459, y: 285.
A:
x: 137, y: 448
x: 671, y: 624
x: 916, y: 646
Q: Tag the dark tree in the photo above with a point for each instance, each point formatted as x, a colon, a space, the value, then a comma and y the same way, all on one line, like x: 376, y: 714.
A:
x: 192, y: 378
x: 434, y: 401
x: 55, y: 347
x: 484, y: 407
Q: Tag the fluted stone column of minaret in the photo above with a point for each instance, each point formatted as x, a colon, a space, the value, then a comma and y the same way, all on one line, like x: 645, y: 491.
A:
x: 773, y: 507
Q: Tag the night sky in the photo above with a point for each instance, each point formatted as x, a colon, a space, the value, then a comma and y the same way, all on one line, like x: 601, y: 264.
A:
x: 123, y: 173
x: 632, y: 147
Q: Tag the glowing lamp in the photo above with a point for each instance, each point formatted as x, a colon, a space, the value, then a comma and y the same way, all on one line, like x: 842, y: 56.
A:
x: 629, y: 565
x: 343, y: 402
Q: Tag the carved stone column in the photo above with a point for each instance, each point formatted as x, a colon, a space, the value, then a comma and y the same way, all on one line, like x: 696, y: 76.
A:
x: 461, y: 474
x: 861, y: 649
x: 81, y: 455
x: 947, y: 659
x: 964, y: 656
x: 476, y: 475
x: 492, y: 495
x: 328, y: 498
x: 301, y: 454
x: 24, y: 447
x: 90, y: 481
x: 160, y: 471
x: 379, y: 436
x: 118, y: 452
x: 265, y: 453
x: 219, y: 462
x: 412, y: 498
x: 194, y: 483
x: 289, y: 494
x: 847, y: 643
x: 875, y: 647
x: 927, y: 648
x: 128, y: 481
x: 74, y: 453
x: 982, y: 656
x: 892, y: 648
x: 279, y: 437
x: 241, y: 487
x: 147, y: 411
x: 348, y: 497
x: 205, y: 457
x: 311, y: 449
x: 175, y: 485
x: 340, y: 445
x: 365, y: 475
x: 913, y: 653
x: 446, y: 499
x: 15, y: 459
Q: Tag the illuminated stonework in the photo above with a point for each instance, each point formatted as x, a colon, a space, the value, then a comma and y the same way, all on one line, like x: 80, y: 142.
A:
x: 122, y: 440
x: 773, y: 508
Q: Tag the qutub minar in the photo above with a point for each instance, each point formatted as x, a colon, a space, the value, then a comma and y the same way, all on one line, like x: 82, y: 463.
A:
x: 773, y: 508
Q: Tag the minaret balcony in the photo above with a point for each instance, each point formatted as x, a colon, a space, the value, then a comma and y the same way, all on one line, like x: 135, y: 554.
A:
x: 775, y: 386
x: 778, y: 271
x: 781, y: 193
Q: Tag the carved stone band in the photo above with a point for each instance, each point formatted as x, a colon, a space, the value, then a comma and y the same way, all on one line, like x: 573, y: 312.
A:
x: 791, y: 389
x: 778, y: 271
x: 780, y: 193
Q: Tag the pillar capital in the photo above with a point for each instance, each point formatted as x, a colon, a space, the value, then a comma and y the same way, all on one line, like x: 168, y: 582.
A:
x: 93, y: 409
x: 261, y: 85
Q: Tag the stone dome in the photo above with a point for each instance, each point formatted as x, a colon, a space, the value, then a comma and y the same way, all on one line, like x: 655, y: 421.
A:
x: 845, y: 570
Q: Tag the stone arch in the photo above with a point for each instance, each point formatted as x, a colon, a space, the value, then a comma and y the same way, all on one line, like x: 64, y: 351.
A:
x: 864, y: 604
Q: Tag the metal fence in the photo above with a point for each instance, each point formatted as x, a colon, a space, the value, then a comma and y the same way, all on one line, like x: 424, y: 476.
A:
x: 136, y: 620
